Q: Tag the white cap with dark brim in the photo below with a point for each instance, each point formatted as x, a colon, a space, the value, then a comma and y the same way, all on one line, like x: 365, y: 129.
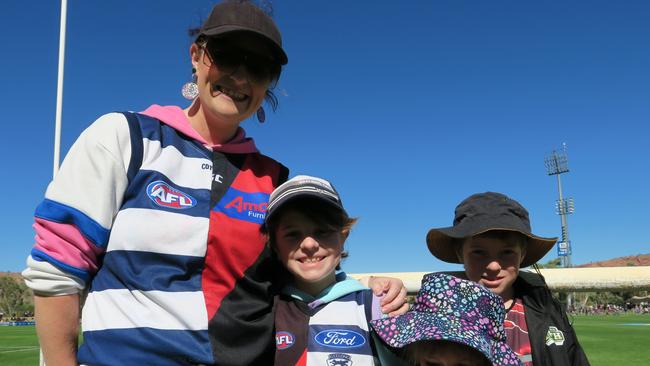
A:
x: 302, y: 186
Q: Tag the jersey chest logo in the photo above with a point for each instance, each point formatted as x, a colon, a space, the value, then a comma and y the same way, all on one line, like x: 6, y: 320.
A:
x: 164, y: 195
x: 339, y: 359
x: 340, y: 338
x: 554, y: 336
x: 284, y: 340
x: 246, y: 206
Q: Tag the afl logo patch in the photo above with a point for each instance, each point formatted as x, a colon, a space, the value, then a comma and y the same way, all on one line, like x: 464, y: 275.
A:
x: 284, y: 340
x: 340, y: 338
x: 164, y: 195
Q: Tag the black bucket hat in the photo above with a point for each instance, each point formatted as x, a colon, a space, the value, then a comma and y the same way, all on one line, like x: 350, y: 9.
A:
x: 238, y: 16
x: 483, y: 212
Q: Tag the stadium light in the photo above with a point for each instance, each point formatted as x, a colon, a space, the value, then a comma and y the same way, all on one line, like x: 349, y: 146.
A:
x: 557, y: 164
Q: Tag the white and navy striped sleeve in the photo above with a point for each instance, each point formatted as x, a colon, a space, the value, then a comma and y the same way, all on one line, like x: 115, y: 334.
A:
x: 74, y: 220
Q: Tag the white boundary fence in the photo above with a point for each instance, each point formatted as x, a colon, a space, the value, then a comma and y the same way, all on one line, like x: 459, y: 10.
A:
x: 559, y: 279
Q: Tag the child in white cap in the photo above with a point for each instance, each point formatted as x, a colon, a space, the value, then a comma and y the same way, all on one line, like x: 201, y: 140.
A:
x: 321, y: 318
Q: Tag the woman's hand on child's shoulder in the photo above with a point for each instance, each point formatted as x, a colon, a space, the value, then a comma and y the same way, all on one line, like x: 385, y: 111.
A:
x: 392, y: 291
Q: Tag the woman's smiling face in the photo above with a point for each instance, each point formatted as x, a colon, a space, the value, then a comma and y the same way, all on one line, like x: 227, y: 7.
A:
x: 229, y: 92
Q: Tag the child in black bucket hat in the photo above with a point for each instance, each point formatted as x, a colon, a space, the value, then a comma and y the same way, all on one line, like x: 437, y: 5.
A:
x: 492, y: 237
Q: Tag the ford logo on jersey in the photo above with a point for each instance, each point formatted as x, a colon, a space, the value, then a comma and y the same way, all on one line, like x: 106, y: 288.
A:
x: 164, y: 195
x: 284, y: 340
x: 340, y: 338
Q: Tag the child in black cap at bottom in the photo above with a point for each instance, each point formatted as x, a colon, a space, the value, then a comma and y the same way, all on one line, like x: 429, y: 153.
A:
x: 453, y: 322
x: 321, y: 318
x: 491, y: 236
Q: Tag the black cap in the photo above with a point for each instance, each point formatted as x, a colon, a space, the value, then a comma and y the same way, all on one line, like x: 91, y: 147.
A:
x: 484, y: 212
x: 237, y: 16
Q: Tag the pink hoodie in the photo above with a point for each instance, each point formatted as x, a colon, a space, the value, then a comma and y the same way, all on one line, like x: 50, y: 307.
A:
x: 174, y: 117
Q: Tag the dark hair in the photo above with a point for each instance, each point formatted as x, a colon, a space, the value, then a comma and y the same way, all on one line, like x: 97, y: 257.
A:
x: 315, y: 210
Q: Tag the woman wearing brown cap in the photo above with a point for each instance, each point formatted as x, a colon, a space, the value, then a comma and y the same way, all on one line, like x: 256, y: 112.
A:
x: 491, y: 236
x: 157, y: 215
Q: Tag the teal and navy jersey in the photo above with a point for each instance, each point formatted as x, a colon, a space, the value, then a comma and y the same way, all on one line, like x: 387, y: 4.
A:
x: 164, y: 232
x: 333, y: 332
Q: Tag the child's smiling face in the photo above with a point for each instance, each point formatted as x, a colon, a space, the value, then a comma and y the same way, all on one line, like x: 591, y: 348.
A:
x: 310, y: 251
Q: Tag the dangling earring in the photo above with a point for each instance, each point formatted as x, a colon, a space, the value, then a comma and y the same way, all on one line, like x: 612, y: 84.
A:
x: 190, y: 90
x: 261, y: 115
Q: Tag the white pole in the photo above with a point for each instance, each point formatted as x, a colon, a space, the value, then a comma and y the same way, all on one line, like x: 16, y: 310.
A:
x: 59, y: 104
x: 59, y: 90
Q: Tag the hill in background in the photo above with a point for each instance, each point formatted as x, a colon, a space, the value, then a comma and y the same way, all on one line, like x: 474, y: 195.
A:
x: 627, y: 261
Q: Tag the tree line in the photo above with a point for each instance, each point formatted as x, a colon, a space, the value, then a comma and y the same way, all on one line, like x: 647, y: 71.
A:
x: 15, y: 298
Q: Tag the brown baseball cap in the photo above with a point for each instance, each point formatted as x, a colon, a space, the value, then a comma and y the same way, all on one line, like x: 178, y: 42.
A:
x: 242, y: 16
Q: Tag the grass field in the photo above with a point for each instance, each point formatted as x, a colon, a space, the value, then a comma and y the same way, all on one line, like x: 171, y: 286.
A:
x: 607, y: 340
x: 615, y: 339
x: 18, y: 346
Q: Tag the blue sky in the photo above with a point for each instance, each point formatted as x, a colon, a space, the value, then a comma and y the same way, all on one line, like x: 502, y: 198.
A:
x: 407, y: 107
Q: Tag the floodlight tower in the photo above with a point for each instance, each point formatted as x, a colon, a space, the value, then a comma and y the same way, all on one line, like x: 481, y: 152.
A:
x: 556, y: 164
